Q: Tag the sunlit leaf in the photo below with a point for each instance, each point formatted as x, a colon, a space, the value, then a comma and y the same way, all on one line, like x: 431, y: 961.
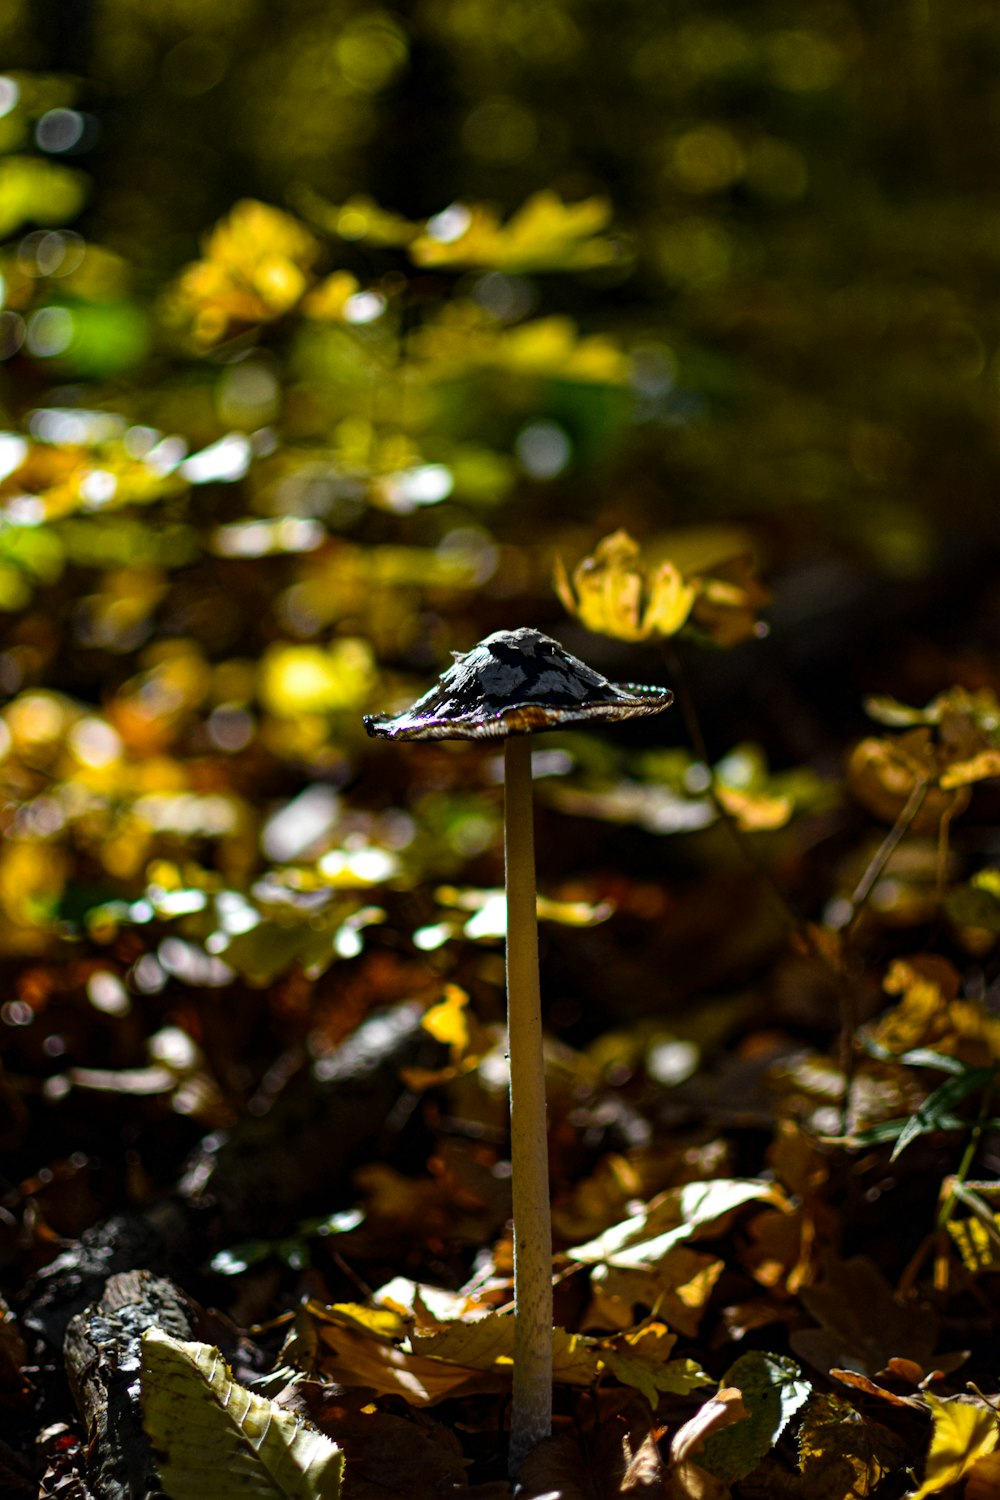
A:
x: 487, y: 1343
x: 773, y: 1389
x: 841, y: 1453
x: 682, y: 1213
x: 463, y: 338
x: 641, y: 1358
x: 359, y: 219
x: 309, y: 679
x: 545, y: 234
x: 963, y: 1433
x: 209, y: 1433
x: 611, y: 593
x: 256, y: 266
x: 447, y: 1021
x: 689, y: 1480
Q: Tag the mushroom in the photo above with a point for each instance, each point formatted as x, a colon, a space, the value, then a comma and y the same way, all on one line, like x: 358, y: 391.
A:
x: 513, y: 684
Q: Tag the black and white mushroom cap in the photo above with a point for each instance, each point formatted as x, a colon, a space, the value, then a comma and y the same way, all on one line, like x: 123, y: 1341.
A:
x: 516, y: 682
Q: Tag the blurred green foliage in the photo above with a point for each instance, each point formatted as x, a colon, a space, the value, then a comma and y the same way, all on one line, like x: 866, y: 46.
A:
x: 326, y: 329
x: 803, y: 203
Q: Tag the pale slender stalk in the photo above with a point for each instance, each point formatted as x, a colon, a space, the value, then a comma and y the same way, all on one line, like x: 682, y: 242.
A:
x: 531, y: 1410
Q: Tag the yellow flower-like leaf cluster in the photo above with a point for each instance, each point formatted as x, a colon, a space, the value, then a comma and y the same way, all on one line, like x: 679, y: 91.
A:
x: 258, y: 264
x: 545, y: 234
x: 614, y: 592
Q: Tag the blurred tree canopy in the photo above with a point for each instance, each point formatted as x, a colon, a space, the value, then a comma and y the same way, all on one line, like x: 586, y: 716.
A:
x: 809, y: 243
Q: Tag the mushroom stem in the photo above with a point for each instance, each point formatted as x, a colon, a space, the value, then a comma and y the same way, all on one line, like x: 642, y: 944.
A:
x: 531, y: 1410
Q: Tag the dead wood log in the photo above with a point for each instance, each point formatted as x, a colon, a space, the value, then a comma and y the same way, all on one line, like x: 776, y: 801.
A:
x: 102, y: 1352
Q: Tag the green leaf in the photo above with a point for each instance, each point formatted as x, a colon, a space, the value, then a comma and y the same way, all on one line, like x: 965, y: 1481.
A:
x: 211, y: 1436
x: 841, y: 1454
x: 934, y: 1114
x: 677, y: 1377
x: 773, y: 1389
x: 918, y: 1057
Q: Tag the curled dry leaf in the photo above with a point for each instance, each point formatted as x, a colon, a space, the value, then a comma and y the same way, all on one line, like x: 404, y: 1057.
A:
x: 688, y: 1480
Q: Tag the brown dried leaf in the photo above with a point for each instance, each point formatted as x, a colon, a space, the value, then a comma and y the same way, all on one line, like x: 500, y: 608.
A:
x: 862, y: 1326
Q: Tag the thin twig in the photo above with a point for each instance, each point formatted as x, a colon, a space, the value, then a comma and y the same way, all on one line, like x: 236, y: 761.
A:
x: 885, y: 851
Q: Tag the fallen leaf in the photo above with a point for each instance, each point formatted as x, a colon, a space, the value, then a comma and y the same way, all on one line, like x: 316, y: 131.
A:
x: 693, y: 1211
x: 688, y: 1480
x: 964, y: 1432
x: 841, y: 1453
x: 862, y: 1326
x: 773, y: 1389
x: 211, y: 1436
x: 488, y: 1342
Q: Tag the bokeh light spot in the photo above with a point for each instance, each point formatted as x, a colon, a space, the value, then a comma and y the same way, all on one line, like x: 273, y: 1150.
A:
x: 10, y: 93
x: 60, y: 130
x: 543, y: 449
x: 450, y: 224
x: 107, y: 994
x: 50, y: 332
x: 364, y: 307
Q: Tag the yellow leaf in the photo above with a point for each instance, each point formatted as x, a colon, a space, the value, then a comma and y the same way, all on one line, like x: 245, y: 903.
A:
x: 381, y: 1322
x: 884, y: 773
x: 256, y: 266
x: 615, y: 592
x: 464, y: 337
x: 611, y: 595
x: 487, y: 1343
x: 447, y: 1021
x: 211, y: 1436
x: 327, y: 301
x: 729, y: 597
x: 976, y: 768
x: 354, y: 1358
x: 678, y: 1289
x: 964, y: 1432
x: 545, y: 234
x: 754, y: 812
x: 669, y: 603
x: 979, y: 1249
